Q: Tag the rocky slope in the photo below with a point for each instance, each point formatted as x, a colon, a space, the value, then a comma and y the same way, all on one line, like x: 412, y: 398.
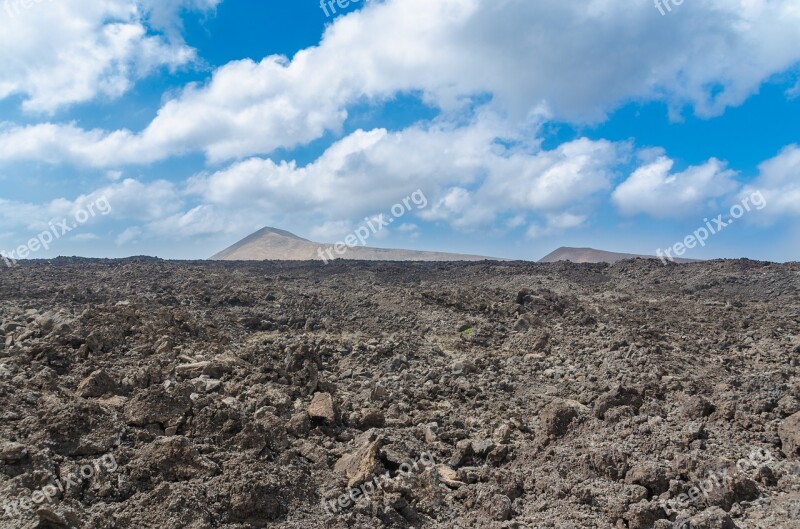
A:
x: 590, y: 255
x: 271, y: 244
x: 149, y: 394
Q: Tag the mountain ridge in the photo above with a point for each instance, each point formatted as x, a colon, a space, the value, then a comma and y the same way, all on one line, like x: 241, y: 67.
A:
x: 592, y: 255
x: 273, y: 244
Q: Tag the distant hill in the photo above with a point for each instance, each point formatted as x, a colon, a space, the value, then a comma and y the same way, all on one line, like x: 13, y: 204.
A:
x: 272, y: 244
x: 590, y: 255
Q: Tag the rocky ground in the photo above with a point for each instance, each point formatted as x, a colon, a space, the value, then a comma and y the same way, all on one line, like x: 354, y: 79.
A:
x: 151, y: 394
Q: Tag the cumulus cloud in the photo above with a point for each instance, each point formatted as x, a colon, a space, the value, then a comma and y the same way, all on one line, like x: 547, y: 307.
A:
x: 334, y: 230
x: 165, y: 15
x: 84, y: 237
x: 467, y: 177
x: 556, y: 223
x: 128, y: 235
x: 257, y: 192
x: 493, y: 69
x: 714, y: 55
x: 129, y: 199
x: 653, y: 189
x: 59, y: 53
x: 408, y: 228
x: 779, y: 183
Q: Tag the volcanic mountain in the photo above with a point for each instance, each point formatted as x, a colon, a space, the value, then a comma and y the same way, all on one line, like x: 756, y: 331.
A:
x: 272, y: 244
x: 590, y: 255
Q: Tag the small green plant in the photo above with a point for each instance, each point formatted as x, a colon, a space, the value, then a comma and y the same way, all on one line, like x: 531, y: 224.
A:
x: 467, y: 332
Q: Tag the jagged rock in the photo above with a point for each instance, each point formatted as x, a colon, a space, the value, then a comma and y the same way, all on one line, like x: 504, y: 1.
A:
x: 371, y: 418
x: 502, y: 434
x: 97, y: 343
x: 361, y: 465
x: 556, y: 417
x: 609, y: 462
x: 697, y: 407
x: 192, y: 370
x: 712, y: 518
x: 57, y: 516
x: 299, y: 425
x: 690, y: 432
x: 378, y: 393
x: 462, y: 453
x: 725, y: 484
x: 618, y: 396
x: 172, y: 459
x: 789, y: 433
x: 651, y: 475
x: 235, y: 445
x: 157, y: 406
x: 322, y: 408
x: 643, y: 515
x: 500, y: 508
x: 525, y: 322
x: 448, y: 476
x: 98, y: 384
x: 13, y: 452
x: 429, y: 432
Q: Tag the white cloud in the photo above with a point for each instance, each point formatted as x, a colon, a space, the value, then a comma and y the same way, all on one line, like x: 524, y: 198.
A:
x: 132, y: 199
x: 199, y: 220
x: 129, y: 235
x: 512, y: 55
x: 779, y: 183
x: 653, y: 189
x: 470, y: 182
x: 556, y: 223
x: 461, y: 208
x: 84, y: 237
x: 468, y: 179
x: 57, y: 144
x: 408, y: 228
x: 555, y: 179
x: 516, y: 221
x: 332, y: 230
x: 258, y: 192
x: 129, y: 199
x: 165, y: 15
x: 62, y: 52
x: 794, y: 91
x: 713, y: 54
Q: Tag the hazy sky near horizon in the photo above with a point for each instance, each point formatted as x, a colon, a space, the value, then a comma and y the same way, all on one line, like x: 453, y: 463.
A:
x: 615, y: 124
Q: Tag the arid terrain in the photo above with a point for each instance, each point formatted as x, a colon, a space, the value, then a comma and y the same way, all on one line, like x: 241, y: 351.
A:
x: 590, y: 255
x: 142, y: 393
x: 272, y: 244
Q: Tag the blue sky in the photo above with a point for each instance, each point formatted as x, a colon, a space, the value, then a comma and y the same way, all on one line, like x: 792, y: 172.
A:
x: 528, y: 126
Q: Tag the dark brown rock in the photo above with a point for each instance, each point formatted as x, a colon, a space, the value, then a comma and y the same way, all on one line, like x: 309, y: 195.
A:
x: 619, y: 396
x: 322, y: 408
x: 789, y: 432
x: 556, y: 417
x: 98, y: 384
